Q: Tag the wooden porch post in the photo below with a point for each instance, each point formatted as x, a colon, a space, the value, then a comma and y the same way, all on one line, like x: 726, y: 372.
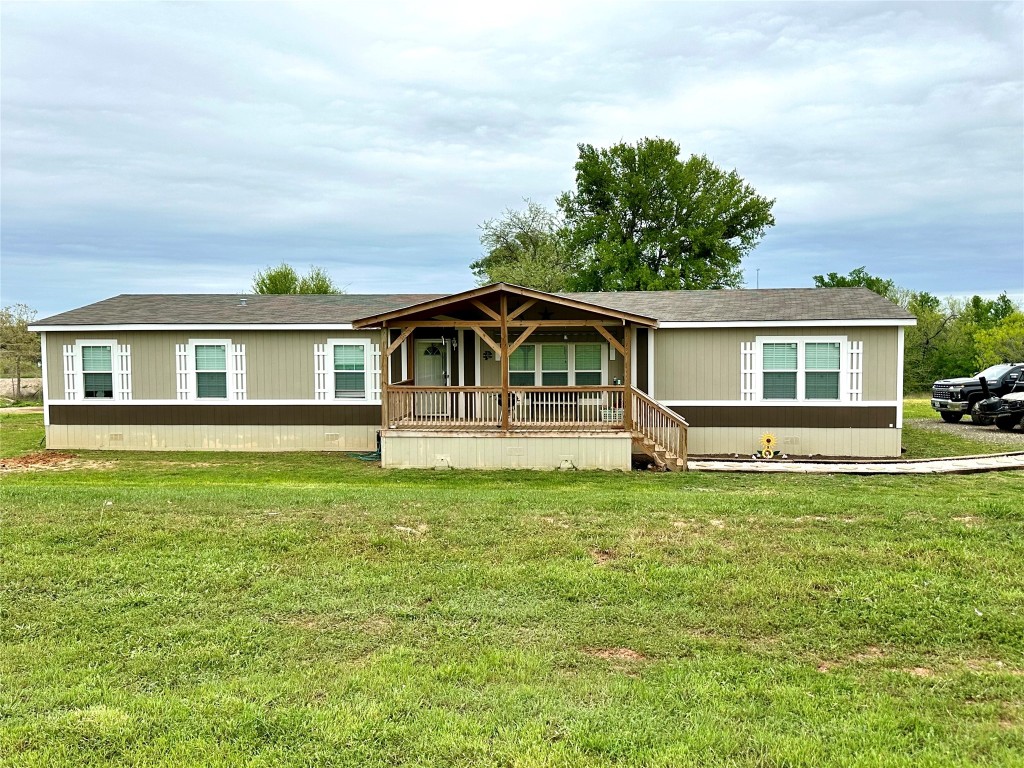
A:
x: 504, y: 363
x: 385, y: 364
x: 627, y: 378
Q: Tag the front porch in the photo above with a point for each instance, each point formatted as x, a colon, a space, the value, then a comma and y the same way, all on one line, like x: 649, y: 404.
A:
x: 504, y: 362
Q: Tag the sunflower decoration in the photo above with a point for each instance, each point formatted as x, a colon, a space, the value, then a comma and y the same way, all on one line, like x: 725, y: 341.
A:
x: 768, y: 443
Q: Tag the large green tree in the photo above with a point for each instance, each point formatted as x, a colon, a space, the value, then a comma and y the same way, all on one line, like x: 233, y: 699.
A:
x: 284, y: 279
x: 523, y: 247
x: 641, y: 218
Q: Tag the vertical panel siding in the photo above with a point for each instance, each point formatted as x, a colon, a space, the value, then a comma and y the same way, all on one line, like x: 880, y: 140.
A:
x: 704, y: 364
x: 279, y: 364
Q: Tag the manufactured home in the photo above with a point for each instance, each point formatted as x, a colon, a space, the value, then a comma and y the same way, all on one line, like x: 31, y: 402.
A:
x: 498, y: 376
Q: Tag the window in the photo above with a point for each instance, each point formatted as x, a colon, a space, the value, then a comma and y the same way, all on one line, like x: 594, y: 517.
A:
x: 780, y: 375
x: 211, y: 370
x: 349, y: 370
x: 522, y: 366
x: 821, y: 370
x: 802, y: 369
x: 554, y: 365
x: 587, y: 364
x: 97, y: 371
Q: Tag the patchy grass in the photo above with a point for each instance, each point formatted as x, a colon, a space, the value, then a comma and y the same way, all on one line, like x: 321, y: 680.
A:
x: 297, y: 609
x: 928, y: 444
x: 20, y: 433
x: 919, y: 406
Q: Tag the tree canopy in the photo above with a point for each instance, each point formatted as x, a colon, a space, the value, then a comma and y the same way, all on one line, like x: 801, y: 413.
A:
x: 284, y: 279
x: 20, y: 348
x: 523, y: 247
x: 953, y: 337
x: 642, y: 219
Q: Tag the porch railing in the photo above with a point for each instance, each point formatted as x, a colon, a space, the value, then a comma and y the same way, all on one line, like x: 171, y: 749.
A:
x: 540, y: 408
x: 658, y: 424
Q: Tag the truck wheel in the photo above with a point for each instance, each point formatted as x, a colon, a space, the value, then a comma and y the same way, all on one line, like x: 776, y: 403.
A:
x: 980, y: 419
x: 949, y: 417
x: 1007, y: 423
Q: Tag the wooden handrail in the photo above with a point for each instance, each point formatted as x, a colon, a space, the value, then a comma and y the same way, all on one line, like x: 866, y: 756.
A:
x: 663, y: 427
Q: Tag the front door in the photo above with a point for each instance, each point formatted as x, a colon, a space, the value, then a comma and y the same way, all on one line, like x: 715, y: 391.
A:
x: 431, y: 370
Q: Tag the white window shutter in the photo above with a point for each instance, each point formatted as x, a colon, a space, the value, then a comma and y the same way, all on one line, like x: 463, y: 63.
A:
x: 748, y: 376
x: 184, y: 369
x: 70, y: 379
x: 375, y: 372
x: 237, y: 372
x: 856, y: 367
x: 124, y: 372
x: 320, y: 377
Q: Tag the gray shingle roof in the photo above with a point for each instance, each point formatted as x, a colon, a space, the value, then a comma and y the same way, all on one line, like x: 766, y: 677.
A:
x: 667, y: 306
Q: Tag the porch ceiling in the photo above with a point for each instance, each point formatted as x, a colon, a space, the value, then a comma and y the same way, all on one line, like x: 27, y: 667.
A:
x: 482, y: 306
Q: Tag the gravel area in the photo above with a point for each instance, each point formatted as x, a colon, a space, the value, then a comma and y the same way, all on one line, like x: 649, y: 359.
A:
x: 1013, y: 440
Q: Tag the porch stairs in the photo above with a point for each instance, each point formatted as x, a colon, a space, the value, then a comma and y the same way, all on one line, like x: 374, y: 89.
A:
x: 658, y: 432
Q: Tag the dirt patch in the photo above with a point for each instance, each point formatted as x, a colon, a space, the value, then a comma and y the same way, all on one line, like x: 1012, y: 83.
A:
x: 602, y: 556
x: 615, y: 654
x: 49, y: 460
x: 921, y: 672
x: 419, y: 530
x: 967, y: 520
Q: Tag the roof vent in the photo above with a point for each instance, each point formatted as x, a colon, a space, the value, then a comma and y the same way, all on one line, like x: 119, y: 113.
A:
x: 243, y: 302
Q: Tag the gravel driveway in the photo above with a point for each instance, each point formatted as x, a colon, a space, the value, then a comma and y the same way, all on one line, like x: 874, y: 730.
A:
x: 1012, y: 440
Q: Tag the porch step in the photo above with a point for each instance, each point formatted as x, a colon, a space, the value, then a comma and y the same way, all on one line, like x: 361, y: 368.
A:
x: 663, y: 458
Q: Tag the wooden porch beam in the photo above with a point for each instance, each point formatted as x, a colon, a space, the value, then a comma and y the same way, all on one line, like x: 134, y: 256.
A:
x: 488, y: 339
x: 520, y: 309
x: 504, y: 364
x: 385, y: 337
x: 405, y: 334
x: 485, y: 309
x: 627, y: 379
x: 611, y: 339
x: 522, y: 337
x: 510, y: 324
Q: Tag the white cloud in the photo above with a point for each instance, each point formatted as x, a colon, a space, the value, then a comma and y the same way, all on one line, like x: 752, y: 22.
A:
x: 152, y: 134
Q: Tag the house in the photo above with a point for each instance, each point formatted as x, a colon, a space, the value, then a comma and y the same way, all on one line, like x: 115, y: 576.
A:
x: 498, y: 376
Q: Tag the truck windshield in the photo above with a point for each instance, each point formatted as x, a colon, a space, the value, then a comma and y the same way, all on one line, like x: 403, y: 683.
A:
x: 994, y: 371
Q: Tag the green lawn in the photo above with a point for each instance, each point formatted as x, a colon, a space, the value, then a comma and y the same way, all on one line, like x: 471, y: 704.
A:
x: 311, y: 609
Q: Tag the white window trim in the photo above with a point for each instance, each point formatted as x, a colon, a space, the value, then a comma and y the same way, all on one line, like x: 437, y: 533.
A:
x: 368, y: 369
x: 229, y: 370
x: 801, y: 369
x: 80, y: 367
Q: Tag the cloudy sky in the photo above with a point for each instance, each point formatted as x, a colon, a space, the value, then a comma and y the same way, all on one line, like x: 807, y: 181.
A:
x: 180, y: 147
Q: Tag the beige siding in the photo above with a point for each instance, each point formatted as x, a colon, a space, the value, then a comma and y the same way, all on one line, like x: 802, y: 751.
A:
x: 279, y: 364
x: 744, y: 441
x: 704, y: 364
x: 586, y: 451
x: 148, y: 437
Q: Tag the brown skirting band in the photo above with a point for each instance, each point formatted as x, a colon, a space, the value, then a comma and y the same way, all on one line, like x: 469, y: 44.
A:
x: 782, y: 416
x: 227, y: 415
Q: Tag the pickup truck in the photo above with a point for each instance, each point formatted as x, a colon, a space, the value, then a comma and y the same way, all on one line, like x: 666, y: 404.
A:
x: 953, y: 398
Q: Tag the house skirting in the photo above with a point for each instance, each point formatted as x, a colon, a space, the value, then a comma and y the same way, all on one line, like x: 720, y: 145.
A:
x: 797, y: 441
x: 527, y: 450
x: 211, y: 437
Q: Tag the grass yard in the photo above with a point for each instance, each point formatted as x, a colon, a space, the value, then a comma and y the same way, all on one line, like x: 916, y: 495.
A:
x: 311, y: 609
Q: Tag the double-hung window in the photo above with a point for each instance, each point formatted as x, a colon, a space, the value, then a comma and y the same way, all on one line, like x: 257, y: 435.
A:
x: 554, y: 365
x: 801, y: 369
x: 349, y: 370
x: 211, y: 362
x: 211, y: 369
x: 587, y: 365
x: 522, y: 366
x: 97, y: 371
